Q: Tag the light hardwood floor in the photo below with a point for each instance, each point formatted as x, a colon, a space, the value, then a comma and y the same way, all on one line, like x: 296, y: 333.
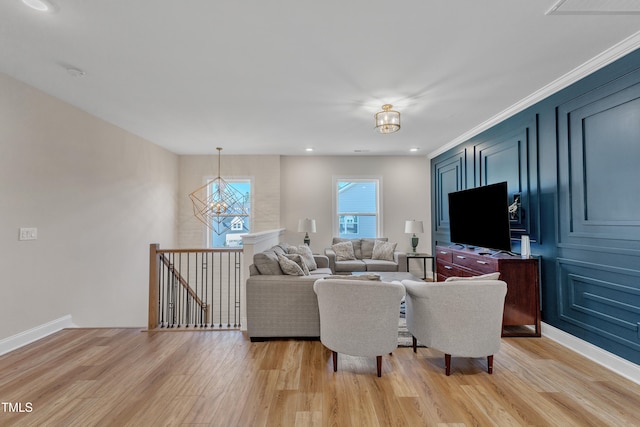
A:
x: 128, y: 377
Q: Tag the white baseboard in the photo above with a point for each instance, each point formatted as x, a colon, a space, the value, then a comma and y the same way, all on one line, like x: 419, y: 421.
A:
x: 23, y: 338
x: 602, y: 357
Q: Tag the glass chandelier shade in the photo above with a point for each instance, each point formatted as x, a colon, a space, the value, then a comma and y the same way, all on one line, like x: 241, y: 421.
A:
x: 216, y: 204
x: 387, y: 120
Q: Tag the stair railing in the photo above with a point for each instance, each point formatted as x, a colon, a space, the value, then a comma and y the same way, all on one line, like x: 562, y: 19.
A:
x: 194, y: 288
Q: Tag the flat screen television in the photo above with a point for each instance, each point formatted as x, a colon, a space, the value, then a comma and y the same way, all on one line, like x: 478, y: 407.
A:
x: 479, y: 217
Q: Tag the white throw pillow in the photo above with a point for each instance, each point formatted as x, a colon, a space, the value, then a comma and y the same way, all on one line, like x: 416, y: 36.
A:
x: 383, y: 250
x: 305, y: 252
x: 488, y: 276
x: 297, y: 258
x: 344, y: 251
x: 289, y: 266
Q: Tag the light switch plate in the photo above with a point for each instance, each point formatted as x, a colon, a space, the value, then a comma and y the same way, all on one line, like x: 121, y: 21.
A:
x: 28, y: 234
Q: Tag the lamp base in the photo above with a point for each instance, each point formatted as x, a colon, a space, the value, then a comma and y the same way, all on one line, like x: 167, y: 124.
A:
x: 306, y: 240
x: 414, y: 243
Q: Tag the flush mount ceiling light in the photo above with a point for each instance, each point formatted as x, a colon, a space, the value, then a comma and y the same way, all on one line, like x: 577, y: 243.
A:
x: 40, y: 5
x: 217, y: 204
x: 387, y: 120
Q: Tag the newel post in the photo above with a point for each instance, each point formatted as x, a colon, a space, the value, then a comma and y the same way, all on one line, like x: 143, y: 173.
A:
x: 153, y: 285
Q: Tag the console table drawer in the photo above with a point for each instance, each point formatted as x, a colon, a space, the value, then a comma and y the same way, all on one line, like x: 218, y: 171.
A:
x: 446, y: 269
x: 481, y: 264
x: 444, y: 254
x: 522, y: 302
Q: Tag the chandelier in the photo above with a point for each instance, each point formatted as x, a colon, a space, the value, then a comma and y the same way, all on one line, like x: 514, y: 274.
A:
x: 387, y: 120
x: 218, y: 205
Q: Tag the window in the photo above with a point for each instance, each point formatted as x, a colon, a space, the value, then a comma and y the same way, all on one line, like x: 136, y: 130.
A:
x: 357, y: 208
x: 234, y: 227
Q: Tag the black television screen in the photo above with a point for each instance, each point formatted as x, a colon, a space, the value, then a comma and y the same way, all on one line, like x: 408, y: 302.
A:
x: 479, y: 217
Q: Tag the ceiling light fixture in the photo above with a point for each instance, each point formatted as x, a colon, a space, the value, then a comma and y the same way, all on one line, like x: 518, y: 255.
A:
x: 39, y: 5
x: 387, y: 120
x: 217, y: 204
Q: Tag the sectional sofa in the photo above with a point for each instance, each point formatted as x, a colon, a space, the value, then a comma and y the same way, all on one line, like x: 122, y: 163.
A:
x: 281, y: 305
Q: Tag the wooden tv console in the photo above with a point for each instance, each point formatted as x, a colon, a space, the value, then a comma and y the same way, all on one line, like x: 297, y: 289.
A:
x: 522, y: 303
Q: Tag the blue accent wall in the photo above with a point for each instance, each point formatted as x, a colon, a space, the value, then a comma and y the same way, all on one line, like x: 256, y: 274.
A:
x: 573, y: 160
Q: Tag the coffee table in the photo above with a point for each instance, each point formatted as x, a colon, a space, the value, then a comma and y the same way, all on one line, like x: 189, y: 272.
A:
x: 389, y: 276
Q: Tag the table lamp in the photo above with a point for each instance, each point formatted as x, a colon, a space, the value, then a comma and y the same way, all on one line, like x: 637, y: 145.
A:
x: 414, y: 227
x: 307, y: 226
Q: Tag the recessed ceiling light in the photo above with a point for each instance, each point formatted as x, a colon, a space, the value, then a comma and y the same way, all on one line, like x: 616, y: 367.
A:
x: 40, y: 5
x: 308, y: 149
x: 414, y: 149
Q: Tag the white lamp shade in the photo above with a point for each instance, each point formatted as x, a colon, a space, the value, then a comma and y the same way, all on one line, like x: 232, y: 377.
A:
x: 307, y: 225
x: 413, y: 226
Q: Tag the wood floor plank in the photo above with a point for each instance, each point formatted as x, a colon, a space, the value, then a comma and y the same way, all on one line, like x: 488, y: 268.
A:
x: 118, y: 377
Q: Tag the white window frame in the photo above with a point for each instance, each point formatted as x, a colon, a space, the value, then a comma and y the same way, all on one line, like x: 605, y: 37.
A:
x: 231, y: 180
x: 359, y: 178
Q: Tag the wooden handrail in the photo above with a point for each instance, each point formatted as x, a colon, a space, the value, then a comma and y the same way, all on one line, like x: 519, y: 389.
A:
x: 209, y: 250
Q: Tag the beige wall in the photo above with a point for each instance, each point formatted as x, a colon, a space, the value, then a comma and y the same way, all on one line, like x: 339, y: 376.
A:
x: 288, y: 188
x: 307, y: 183
x: 98, y: 196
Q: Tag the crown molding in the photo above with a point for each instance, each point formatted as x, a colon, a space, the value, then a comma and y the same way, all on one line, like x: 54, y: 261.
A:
x: 610, y: 55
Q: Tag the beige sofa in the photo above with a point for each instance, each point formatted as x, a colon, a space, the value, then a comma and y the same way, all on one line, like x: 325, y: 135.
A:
x: 363, y: 259
x: 281, y: 305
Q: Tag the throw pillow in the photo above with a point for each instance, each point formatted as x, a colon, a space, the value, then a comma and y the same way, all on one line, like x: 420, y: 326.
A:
x: 367, y: 246
x: 289, y: 266
x: 383, y: 250
x: 489, y: 276
x: 357, y: 249
x: 297, y: 258
x: 369, y: 277
x: 305, y: 252
x: 267, y: 263
x: 344, y: 251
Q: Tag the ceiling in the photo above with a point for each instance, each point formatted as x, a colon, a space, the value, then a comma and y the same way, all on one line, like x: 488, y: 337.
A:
x: 277, y: 77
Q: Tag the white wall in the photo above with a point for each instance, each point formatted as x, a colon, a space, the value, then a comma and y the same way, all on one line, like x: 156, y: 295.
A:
x: 194, y: 170
x: 98, y: 196
x: 307, y: 183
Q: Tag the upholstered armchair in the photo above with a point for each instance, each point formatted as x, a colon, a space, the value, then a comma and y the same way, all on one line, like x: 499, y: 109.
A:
x: 359, y: 317
x: 459, y: 318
